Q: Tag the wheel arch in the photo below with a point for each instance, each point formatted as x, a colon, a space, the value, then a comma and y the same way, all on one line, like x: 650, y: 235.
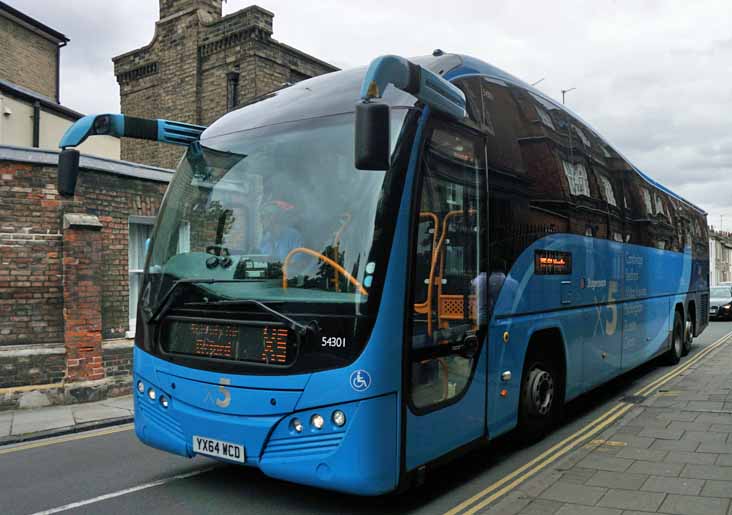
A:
x: 549, y: 342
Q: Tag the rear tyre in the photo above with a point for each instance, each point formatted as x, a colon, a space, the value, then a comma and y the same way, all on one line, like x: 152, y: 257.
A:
x: 673, y: 355
x: 541, y: 398
x: 688, y: 334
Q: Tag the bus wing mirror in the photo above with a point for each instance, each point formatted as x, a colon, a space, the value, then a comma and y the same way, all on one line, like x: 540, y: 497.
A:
x: 68, y: 171
x: 372, y: 145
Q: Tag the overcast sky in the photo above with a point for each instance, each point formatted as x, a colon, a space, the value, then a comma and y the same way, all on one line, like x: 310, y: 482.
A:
x: 653, y: 77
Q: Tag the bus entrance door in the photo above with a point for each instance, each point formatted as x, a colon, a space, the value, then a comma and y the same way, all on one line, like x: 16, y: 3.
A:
x: 447, y: 364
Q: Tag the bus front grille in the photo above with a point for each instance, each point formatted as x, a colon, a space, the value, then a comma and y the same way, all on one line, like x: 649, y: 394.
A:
x: 153, y: 412
x: 306, y: 445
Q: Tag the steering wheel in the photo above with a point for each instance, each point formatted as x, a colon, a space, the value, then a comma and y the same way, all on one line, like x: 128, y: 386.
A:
x: 325, y: 259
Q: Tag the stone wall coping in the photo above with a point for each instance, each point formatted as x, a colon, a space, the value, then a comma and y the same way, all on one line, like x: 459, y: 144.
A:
x: 74, y: 220
x: 99, y: 164
x: 119, y: 343
x: 16, y: 351
x: 13, y: 351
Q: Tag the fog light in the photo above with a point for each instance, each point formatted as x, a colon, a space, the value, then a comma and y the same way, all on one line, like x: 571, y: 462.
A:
x: 317, y: 421
x: 296, y: 425
x: 164, y: 401
x: 339, y: 418
x: 140, y: 387
x: 151, y: 393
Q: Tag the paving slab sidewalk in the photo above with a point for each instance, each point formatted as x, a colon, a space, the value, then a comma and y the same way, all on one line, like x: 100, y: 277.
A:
x: 670, y: 454
x: 30, y: 424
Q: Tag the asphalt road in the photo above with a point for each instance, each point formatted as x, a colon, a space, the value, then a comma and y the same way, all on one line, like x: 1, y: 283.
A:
x: 110, y: 472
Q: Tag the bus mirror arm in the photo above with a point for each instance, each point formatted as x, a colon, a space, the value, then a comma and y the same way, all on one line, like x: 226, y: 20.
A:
x: 372, y: 132
x: 428, y: 87
x: 116, y: 126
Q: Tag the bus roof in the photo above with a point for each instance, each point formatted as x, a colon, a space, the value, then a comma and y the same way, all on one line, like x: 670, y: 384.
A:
x: 338, y: 92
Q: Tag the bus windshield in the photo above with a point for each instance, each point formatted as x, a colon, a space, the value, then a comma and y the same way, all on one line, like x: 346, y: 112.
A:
x: 274, y: 214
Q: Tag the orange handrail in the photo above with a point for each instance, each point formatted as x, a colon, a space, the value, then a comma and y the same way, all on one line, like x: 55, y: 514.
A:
x: 437, y: 252
x: 323, y: 258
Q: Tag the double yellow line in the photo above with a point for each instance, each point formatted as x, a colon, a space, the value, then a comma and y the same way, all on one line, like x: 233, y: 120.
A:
x: 507, y: 483
x: 66, y: 438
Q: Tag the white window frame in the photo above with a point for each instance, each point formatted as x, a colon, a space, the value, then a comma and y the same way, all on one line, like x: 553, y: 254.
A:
x: 132, y: 300
x: 577, y: 178
x: 647, y: 201
x: 609, y: 193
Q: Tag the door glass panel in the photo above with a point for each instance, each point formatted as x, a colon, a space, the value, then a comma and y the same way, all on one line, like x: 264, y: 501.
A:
x: 449, y: 279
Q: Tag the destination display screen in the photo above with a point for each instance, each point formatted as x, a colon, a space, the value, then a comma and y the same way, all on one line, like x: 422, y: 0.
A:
x: 552, y: 262
x: 268, y: 344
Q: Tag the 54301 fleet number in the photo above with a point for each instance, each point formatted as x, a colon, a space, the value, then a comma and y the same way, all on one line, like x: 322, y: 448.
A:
x: 333, y: 341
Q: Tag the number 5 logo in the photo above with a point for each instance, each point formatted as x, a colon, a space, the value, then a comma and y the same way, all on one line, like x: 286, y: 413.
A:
x: 226, y: 400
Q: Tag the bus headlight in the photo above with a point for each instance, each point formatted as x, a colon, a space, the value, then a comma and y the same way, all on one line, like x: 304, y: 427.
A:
x: 296, y: 425
x: 151, y: 393
x: 317, y: 421
x: 164, y: 401
x: 339, y: 418
x: 140, y: 387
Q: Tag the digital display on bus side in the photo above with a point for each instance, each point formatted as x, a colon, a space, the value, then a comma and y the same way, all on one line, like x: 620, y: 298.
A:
x: 552, y: 262
x: 239, y: 342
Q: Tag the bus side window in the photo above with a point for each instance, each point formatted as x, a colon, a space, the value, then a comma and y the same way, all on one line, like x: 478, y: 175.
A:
x: 449, y: 243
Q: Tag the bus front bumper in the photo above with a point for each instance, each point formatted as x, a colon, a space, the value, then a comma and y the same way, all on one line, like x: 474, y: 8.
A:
x: 360, y: 457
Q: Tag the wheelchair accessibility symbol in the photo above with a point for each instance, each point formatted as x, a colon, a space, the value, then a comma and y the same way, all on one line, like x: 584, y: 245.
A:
x: 360, y: 380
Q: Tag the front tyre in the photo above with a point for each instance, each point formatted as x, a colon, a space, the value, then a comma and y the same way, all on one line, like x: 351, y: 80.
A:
x: 541, y: 398
x: 673, y: 355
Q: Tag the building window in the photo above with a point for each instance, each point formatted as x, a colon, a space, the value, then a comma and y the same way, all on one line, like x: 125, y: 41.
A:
x: 647, y: 201
x: 140, y: 229
x: 232, y: 90
x: 608, y: 188
x: 582, y: 136
x: 577, y: 178
x: 545, y: 118
x: 660, y: 207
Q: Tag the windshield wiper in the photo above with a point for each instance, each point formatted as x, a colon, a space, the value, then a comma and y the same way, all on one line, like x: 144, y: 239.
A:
x: 299, y: 328
x: 154, y: 314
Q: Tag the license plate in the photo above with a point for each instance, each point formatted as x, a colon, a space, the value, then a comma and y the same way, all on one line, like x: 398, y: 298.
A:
x: 219, y: 449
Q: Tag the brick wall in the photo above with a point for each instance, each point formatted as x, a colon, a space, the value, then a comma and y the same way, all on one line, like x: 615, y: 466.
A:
x: 31, y: 296
x: 27, y: 59
x: 64, y: 290
x: 32, y: 365
x: 182, y: 74
x: 117, y: 360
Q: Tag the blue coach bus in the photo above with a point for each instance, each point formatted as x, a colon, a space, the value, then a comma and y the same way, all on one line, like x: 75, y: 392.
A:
x: 370, y: 271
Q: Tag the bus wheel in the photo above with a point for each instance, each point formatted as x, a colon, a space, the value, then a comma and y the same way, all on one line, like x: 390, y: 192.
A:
x: 540, y: 399
x: 673, y: 356
x: 688, y: 334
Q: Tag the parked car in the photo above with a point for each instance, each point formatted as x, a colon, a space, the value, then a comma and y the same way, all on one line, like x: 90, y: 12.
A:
x: 720, y: 302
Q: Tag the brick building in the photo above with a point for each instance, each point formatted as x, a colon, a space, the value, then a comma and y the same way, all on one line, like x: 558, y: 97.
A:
x: 200, y: 65
x: 720, y: 257
x: 31, y: 113
x: 30, y: 52
x: 66, y: 270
